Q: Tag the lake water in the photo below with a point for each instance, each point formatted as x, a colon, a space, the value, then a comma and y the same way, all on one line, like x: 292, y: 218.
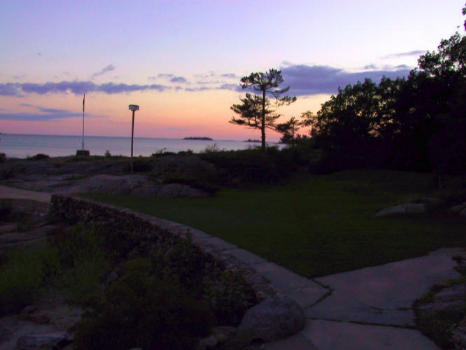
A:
x: 22, y: 146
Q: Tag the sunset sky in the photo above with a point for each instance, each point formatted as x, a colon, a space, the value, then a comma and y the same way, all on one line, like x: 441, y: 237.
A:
x: 181, y: 61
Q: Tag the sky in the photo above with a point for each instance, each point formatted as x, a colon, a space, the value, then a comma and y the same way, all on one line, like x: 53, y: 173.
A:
x: 181, y: 61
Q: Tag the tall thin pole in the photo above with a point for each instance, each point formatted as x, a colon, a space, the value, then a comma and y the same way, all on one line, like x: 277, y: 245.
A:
x: 82, y: 141
x: 132, y: 138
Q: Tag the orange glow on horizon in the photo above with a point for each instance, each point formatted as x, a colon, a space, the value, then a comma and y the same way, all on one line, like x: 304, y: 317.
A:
x: 166, y: 114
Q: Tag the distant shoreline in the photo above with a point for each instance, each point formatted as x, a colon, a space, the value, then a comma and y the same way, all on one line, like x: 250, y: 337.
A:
x: 203, y: 138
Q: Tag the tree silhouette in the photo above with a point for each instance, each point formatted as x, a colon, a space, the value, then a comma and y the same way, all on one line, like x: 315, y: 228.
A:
x: 255, y: 110
x: 289, y: 130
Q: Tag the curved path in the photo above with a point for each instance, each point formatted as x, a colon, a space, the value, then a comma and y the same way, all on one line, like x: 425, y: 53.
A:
x: 364, y: 309
x: 16, y: 193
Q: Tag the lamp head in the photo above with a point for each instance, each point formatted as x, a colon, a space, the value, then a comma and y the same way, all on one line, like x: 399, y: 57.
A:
x: 133, y: 108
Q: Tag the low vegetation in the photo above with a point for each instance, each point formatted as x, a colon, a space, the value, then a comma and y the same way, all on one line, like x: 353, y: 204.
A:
x: 439, y: 323
x: 125, y: 286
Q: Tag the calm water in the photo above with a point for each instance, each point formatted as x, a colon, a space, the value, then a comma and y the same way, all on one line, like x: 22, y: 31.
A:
x: 21, y: 146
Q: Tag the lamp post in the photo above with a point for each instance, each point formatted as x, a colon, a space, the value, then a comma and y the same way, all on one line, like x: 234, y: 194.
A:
x: 132, y: 108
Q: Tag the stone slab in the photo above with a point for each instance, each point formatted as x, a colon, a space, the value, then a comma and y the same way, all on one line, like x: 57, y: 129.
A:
x: 306, y: 297
x: 327, y: 335
x: 289, y: 282
x: 245, y: 256
x: 383, y: 294
x: 216, y: 243
x: 296, y: 342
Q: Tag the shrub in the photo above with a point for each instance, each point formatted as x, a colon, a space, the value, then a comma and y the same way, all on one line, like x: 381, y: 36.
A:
x: 80, y: 264
x: 39, y: 156
x: 181, y: 262
x: 145, y: 312
x: 251, y: 166
x: 5, y: 210
x: 229, y: 296
x: 2, y: 157
x: 201, y: 184
x: 141, y: 165
x: 185, y: 266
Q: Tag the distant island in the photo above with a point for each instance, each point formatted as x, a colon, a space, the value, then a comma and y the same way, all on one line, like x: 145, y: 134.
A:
x: 251, y: 140
x: 198, y: 138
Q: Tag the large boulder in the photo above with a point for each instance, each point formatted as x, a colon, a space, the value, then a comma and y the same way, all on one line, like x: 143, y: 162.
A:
x: 138, y: 185
x: 403, y: 209
x: 179, y: 190
x: 458, y: 336
x: 273, y: 319
x: 49, y: 341
x: 459, y: 209
x: 111, y: 184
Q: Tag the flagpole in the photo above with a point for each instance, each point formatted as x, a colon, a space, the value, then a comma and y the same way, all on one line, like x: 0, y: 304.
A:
x: 82, y: 142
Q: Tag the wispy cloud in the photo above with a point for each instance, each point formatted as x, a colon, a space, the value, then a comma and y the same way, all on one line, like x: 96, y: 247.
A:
x: 172, y: 78
x: 165, y: 75
x: 75, y: 87
x: 10, y: 89
x: 304, y: 80
x: 405, y: 54
x: 104, y: 70
x: 311, y: 80
x: 229, y: 75
x: 307, y: 80
x: 181, y: 80
x: 40, y: 113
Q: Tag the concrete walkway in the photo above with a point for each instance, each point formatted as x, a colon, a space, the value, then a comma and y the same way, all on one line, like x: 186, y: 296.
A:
x: 366, y: 309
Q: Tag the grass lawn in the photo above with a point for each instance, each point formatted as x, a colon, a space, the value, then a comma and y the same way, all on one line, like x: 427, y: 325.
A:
x: 315, y: 225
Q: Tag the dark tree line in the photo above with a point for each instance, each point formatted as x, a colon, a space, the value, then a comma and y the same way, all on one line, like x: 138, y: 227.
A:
x: 416, y: 123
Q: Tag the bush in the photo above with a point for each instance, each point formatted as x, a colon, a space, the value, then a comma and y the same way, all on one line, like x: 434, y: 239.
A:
x: 141, y: 165
x: 181, y: 262
x: 201, y: 184
x: 39, y: 156
x: 144, y: 312
x: 5, y: 210
x: 185, y: 266
x: 81, y: 262
x: 2, y: 157
x: 229, y: 296
x: 251, y: 166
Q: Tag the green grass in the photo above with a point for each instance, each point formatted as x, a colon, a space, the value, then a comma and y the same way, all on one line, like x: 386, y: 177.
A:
x: 73, y: 261
x: 21, y: 277
x: 315, y: 225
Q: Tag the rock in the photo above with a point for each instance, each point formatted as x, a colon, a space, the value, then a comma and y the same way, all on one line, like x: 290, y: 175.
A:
x: 207, y: 343
x: 109, y: 184
x: 49, y: 341
x: 32, y: 314
x: 458, y: 208
x: 403, y: 209
x: 5, y: 228
x: 179, y: 190
x: 458, y: 336
x: 5, y: 334
x: 457, y: 292
x: 273, y: 319
x: 224, y: 334
x: 451, y: 298
x: 222, y: 337
x: 112, y: 277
